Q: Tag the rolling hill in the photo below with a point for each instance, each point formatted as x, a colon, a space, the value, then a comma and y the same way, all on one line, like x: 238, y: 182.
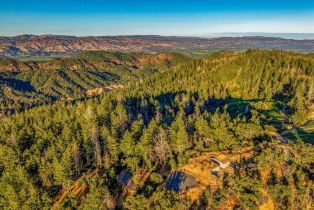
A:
x: 151, y: 144
x: 55, y: 45
x: 29, y: 83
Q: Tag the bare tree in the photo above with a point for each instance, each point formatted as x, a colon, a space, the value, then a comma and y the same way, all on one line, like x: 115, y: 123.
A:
x: 310, y: 92
x: 76, y: 155
x: 162, y: 147
x: 95, y: 140
x: 94, y: 134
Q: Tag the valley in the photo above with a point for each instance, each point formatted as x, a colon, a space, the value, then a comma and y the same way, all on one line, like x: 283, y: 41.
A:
x: 57, y: 45
x: 147, y: 131
x: 30, y: 83
x: 157, y: 105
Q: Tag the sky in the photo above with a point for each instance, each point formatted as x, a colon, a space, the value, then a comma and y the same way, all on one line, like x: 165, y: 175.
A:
x: 163, y: 17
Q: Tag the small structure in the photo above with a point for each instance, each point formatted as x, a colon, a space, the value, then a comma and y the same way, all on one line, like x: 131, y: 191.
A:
x: 124, y: 178
x: 180, y: 181
x: 221, y: 166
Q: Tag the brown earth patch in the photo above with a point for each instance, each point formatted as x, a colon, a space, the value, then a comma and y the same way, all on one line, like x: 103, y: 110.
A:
x: 95, y: 91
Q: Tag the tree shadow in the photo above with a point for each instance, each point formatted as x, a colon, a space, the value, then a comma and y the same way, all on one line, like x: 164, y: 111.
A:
x: 301, y: 134
x: 235, y: 107
x: 148, y: 108
x: 164, y: 107
x: 16, y: 84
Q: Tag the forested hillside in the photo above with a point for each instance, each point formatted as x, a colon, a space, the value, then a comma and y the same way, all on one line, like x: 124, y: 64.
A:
x: 28, y: 83
x: 121, y: 149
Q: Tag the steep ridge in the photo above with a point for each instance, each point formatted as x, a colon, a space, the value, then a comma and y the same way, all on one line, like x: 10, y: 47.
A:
x: 32, y: 82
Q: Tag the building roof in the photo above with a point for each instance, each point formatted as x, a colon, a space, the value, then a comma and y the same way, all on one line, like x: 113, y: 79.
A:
x: 180, y: 181
x: 124, y: 177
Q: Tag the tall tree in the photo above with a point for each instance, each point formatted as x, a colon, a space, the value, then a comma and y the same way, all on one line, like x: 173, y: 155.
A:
x: 91, y: 119
x: 179, y: 136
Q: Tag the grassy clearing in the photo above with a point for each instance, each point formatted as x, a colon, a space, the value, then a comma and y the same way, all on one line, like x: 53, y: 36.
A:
x: 200, y: 167
x: 35, y: 58
x: 197, y: 53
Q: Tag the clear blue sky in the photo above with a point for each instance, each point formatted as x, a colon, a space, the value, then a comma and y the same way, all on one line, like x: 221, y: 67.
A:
x: 164, y: 17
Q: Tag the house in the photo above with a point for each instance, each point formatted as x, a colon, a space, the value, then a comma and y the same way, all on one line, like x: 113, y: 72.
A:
x: 179, y: 181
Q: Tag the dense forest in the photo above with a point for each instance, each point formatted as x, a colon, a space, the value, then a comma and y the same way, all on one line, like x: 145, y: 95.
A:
x: 169, y: 112
x: 25, y: 84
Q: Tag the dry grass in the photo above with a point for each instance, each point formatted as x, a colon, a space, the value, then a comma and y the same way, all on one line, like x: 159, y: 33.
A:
x: 114, y: 87
x: 269, y: 205
x: 94, y: 91
x: 200, y: 167
x: 77, y: 190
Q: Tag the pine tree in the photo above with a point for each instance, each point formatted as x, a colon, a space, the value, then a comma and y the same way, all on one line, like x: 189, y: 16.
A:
x: 111, y: 148
x: 127, y: 144
x: 119, y: 120
x: 179, y: 136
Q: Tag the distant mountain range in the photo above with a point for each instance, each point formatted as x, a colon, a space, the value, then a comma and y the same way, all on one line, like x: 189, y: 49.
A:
x: 298, y: 36
x: 51, y: 45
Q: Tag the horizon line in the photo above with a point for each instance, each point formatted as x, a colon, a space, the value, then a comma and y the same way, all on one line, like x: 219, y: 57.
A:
x: 204, y: 35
